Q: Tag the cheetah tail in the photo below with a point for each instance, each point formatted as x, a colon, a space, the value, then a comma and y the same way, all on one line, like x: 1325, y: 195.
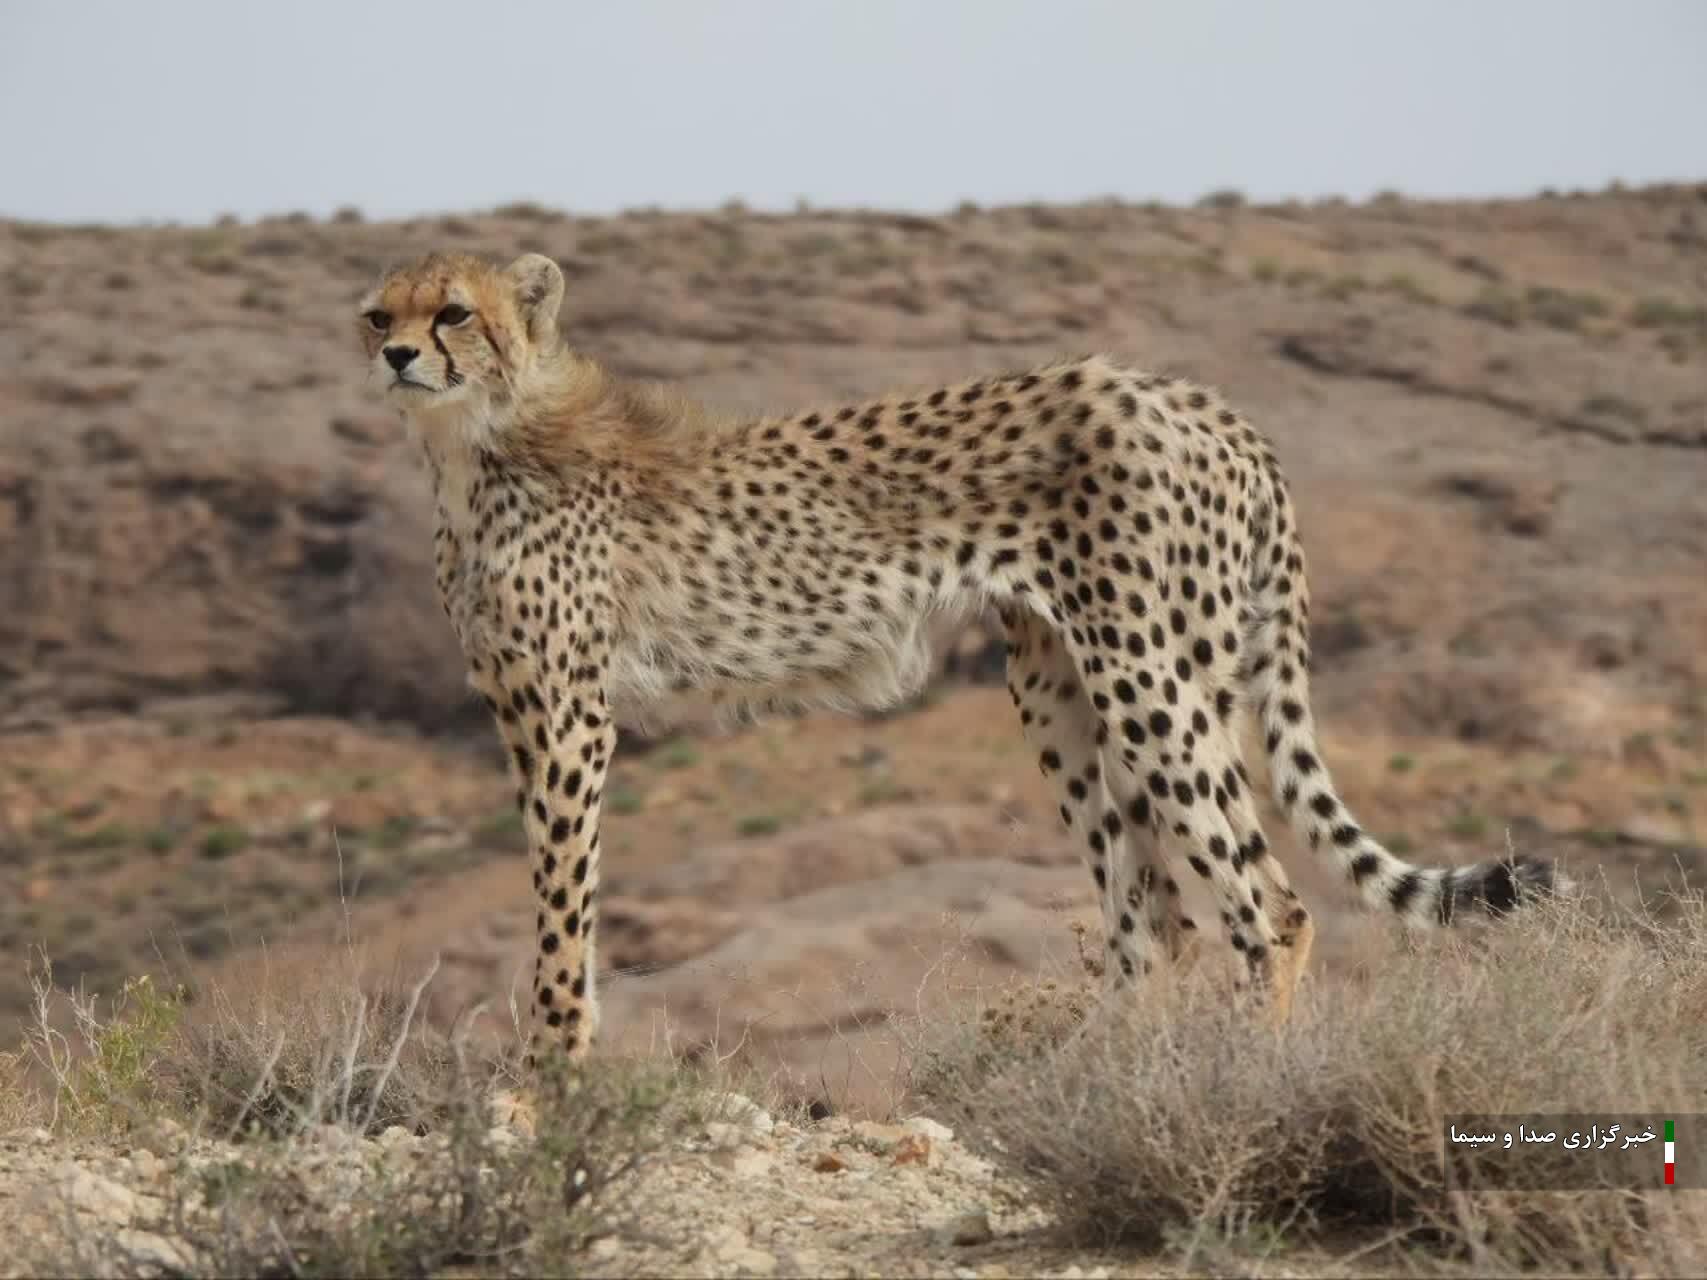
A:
x: 1277, y: 648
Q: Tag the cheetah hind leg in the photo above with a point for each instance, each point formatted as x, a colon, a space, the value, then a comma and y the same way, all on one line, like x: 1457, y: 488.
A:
x: 1061, y: 725
x: 1296, y: 934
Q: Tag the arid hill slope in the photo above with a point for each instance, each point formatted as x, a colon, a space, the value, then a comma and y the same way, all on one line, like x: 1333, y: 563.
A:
x: 219, y: 644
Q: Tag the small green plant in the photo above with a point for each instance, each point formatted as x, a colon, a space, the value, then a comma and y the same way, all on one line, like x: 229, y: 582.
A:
x: 758, y: 824
x: 624, y: 799
x: 1606, y: 405
x: 109, y: 835
x: 505, y: 825
x: 1666, y: 313
x: 223, y: 841
x: 678, y: 753
x: 1496, y: 306
x: 1345, y: 285
x: 111, y: 1084
x: 1404, y: 286
x: 885, y: 791
x: 395, y: 831
x: 1401, y: 762
x: 1223, y: 198
x: 1468, y: 826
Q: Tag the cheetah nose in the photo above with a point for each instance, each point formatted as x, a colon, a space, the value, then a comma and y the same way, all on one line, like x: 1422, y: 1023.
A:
x: 399, y: 357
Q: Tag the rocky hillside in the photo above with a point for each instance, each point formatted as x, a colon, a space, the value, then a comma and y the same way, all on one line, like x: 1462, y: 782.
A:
x: 227, y: 693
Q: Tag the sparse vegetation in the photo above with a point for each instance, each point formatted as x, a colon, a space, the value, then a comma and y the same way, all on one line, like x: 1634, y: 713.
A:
x: 1497, y: 306
x: 758, y: 824
x: 1186, y: 1125
x: 1667, y: 313
x: 1226, y: 198
x: 299, y: 1067
x: 1563, y: 308
x: 1468, y: 826
x: 1607, y: 405
x: 1407, y: 287
x: 678, y: 753
x: 223, y: 841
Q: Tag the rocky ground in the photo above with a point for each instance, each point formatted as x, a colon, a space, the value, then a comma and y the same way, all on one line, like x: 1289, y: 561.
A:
x: 746, y: 1196
x: 230, y: 712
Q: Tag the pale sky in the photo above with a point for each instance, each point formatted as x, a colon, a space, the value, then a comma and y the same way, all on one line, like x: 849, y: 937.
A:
x: 125, y: 110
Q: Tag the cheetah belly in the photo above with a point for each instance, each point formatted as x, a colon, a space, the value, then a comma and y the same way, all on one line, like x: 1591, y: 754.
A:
x: 758, y: 661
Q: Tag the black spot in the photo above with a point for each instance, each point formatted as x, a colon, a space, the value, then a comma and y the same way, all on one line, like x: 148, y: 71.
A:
x: 1403, y: 892
x: 1499, y: 888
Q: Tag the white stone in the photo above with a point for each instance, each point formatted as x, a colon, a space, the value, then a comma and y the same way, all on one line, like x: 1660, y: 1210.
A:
x: 925, y: 1127
x: 94, y: 1194
x: 742, y: 1110
x: 153, y: 1251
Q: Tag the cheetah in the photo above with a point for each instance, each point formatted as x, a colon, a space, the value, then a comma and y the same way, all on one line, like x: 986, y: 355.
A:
x: 601, y: 543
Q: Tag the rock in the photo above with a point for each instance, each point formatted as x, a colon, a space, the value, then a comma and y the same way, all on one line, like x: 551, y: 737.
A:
x: 732, y: 1248
x: 912, y: 1149
x: 723, y: 1136
x: 881, y: 1138
x: 741, y: 1110
x: 747, y: 1162
x: 829, y: 1162
x: 396, y: 1136
x: 91, y: 1193
x: 967, y: 1230
x: 925, y: 1127
x: 152, y: 1251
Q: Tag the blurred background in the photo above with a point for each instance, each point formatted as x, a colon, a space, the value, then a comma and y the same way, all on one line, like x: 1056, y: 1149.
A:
x: 1452, y: 257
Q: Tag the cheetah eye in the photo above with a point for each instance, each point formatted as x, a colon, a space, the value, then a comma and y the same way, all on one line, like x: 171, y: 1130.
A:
x: 380, y: 320
x: 451, y: 314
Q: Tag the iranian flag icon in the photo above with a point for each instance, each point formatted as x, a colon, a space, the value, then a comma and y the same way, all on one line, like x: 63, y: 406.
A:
x: 1671, y: 1155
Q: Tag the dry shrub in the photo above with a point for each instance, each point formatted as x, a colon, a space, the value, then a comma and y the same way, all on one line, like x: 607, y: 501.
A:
x: 1184, y: 1120
x: 311, y: 1040
x: 468, y: 1197
x: 319, y: 1125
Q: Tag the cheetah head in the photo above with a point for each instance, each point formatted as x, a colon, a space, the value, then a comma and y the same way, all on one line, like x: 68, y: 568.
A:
x: 455, y: 336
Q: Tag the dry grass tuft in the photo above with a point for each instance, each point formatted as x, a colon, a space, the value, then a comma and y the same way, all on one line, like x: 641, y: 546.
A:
x: 1185, y: 1123
x: 319, y: 1125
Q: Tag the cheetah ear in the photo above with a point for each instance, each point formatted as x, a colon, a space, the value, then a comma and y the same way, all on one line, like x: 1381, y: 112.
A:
x: 539, y: 293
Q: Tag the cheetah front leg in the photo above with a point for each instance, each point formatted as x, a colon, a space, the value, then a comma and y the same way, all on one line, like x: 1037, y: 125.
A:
x: 560, y: 740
